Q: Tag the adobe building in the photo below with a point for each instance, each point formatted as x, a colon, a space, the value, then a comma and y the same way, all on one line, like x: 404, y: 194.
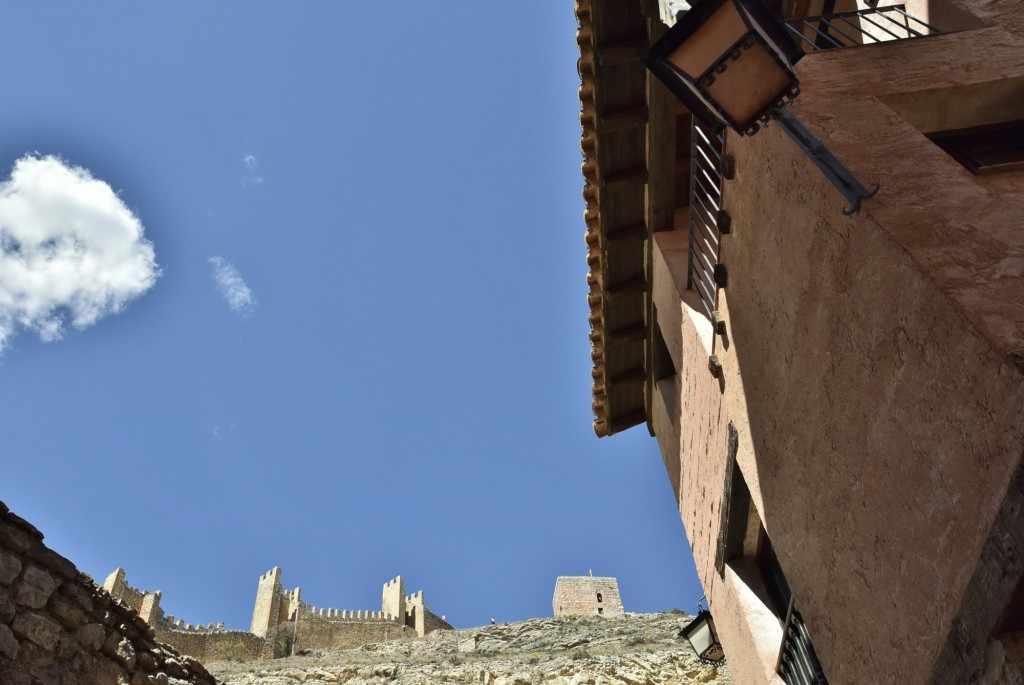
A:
x: 586, y: 596
x: 838, y: 400
x: 283, y: 624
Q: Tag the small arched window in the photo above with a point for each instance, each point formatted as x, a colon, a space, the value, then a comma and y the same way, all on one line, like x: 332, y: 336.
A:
x: 598, y: 596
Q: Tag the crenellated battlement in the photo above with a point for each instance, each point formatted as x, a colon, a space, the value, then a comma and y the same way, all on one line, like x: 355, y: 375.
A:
x: 180, y: 625
x: 320, y: 613
x: 282, y: 622
x: 117, y: 585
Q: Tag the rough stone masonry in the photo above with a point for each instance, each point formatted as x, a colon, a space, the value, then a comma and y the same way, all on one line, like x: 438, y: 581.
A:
x: 584, y: 595
x: 58, y: 628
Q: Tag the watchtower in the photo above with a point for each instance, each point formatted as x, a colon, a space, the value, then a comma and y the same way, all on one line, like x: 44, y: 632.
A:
x: 393, y: 604
x: 586, y: 595
x: 267, y: 612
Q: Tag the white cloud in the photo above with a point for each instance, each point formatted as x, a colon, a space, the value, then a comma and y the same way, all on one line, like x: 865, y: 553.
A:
x: 70, y: 250
x: 231, y: 285
x: 253, y: 179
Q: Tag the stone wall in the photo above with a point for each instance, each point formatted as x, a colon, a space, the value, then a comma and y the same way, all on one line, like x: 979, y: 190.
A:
x: 584, y: 595
x: 316, y: 632
x: 432, y: 622
x: 226, y: 645
x: 57, y: 626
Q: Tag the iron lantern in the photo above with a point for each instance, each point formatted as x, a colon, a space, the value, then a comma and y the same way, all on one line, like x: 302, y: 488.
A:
x: 731, y: 63
x: 701, y: 634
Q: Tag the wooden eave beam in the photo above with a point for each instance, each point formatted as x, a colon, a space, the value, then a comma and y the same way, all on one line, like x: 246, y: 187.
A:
x: 626, y: 235
x: 627, y: 334
x: 623, y: 120
x: 623, y: 180
x: 634, y: 286
x: 628, y: 421
x: 632, y: 377
x: 622, y: 52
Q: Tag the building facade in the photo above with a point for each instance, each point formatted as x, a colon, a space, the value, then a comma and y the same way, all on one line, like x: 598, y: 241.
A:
x: 838, y: 400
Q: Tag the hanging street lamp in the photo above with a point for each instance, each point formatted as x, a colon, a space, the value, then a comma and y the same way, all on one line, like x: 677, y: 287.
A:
x: 731, y: 63
x: 701, y: 634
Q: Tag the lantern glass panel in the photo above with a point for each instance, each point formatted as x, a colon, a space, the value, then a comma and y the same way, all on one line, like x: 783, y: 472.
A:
x: 729, y: 61
x: 751, y: 82
x: 701, y: 638
x: 709, y: 42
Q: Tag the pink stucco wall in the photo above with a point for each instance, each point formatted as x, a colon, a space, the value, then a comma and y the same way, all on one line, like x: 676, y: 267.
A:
x: 866, y: 372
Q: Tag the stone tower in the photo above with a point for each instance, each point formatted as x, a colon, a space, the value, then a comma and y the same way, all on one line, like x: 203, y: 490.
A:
x: 583, y: 595
x: 115, y: 583
x: 393, y: 604
x: 267, y: 612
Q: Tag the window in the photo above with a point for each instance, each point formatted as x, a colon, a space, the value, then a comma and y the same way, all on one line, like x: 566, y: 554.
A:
x: 745, y: 546
x: 600, y: 610
x: 599, y: 597
x: 980, y: 125
x: 774, y: 579
x: 984, y: 149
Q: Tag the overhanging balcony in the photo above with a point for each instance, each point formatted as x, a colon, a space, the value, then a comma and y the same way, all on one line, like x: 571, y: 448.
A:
x: 859, y: 27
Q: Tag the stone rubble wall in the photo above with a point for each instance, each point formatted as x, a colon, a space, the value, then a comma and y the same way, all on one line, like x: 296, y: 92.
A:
x: 58, y: 627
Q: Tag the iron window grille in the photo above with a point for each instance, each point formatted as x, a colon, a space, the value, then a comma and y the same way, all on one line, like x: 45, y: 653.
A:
x: 798, y: 664
x: 705, y: 205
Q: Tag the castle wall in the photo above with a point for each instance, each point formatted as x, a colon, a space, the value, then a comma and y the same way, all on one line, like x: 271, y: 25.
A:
x: 432, y: 622
x: 58, y: 626
x: 314, y: 632
x: 586, y: 595
x: 227, y: 645
x: 282, y: 623
x: 117, y: 585
x: 150, y: 610
x: 414, y: 613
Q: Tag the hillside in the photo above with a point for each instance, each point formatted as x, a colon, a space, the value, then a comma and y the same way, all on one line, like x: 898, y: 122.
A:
x: 633, y: 649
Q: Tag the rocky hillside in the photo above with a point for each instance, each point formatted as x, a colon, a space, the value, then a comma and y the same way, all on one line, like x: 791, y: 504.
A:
x: 633, y: 649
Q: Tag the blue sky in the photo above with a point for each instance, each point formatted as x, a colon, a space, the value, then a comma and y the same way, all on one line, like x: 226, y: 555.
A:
x: 359, y: 346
